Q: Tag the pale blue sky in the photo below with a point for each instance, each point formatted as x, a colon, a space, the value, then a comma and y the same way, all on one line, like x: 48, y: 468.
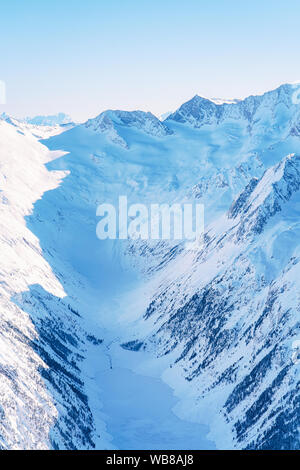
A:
x: 85, y: 56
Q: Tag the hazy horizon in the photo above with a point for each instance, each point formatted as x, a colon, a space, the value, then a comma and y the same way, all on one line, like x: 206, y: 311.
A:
x: 92, y: 56
x: 161, y: 115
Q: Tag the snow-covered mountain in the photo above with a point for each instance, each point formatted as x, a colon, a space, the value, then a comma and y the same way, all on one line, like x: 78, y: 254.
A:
x: 110, y: 123
x: 275, y: 109
x: 232, y: 315
x: 96, y: 330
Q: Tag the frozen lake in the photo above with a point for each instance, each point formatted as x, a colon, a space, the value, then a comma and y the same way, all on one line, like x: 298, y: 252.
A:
x: 138, y: 412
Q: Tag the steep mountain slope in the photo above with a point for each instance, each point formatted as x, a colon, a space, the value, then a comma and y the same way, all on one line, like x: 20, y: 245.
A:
x: 216, y: 322
x: 42, y: 340
x: 230, y: 313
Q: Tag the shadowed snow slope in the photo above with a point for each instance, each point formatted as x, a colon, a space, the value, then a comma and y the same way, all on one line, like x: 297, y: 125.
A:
x: 41, y: 337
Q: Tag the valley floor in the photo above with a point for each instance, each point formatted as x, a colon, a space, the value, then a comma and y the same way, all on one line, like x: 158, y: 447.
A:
x: 138, y: 409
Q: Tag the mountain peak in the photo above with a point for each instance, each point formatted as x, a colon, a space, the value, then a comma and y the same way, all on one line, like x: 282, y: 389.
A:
x: 109, y: 122
x: 195, y: 111
x: 200, y: 111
